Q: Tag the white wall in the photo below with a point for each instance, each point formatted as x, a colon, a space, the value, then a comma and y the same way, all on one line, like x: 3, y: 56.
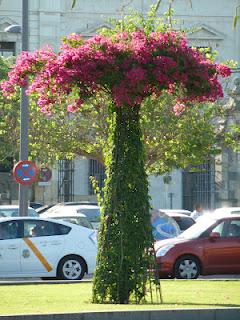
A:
x: 81, y: 177
x: 160, y: 192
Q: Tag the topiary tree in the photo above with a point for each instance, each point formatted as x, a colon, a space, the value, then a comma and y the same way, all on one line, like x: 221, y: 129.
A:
x: 126, y: 68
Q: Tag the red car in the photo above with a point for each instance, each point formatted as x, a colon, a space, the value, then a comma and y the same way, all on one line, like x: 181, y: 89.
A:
x: 211, y: 246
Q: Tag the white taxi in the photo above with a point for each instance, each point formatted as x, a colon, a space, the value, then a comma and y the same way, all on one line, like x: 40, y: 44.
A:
x: 35, y: 247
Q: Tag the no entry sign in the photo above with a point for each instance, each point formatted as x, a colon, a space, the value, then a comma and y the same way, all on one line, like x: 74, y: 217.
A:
x: 25, y: 172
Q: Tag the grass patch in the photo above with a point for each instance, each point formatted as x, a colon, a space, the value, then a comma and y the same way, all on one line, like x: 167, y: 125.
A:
x: 57, y: 298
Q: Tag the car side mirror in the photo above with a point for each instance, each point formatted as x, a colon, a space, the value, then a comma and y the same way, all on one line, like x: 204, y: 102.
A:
x: 214, y: 235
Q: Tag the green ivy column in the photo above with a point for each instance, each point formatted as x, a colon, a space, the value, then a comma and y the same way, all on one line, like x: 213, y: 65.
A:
x: 125, y: 230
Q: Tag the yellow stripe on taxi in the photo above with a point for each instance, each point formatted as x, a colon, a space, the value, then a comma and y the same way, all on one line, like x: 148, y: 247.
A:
x: 38, y: 254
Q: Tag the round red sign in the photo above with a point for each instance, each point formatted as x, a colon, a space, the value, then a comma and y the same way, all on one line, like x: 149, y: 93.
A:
x: 25, y: 172
x: 45, y: 174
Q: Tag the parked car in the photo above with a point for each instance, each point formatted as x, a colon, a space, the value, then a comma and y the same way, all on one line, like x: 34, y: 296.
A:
x: 36, y: 247
x: 184, y: 221
x: 13, y: 211
x: 227, y: 210
x: 211, y: 246
x: 69, y: 216
x: 92, y: 212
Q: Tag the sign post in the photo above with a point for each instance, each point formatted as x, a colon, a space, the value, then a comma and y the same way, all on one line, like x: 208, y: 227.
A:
x: 24, y: 117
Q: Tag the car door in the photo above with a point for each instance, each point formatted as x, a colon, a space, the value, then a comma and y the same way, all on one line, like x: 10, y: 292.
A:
x: 222, y: 255
x: 41, y: 248
x: 10, y: 244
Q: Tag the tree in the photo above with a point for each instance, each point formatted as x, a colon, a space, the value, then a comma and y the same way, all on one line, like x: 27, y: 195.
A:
x: 130, y: 68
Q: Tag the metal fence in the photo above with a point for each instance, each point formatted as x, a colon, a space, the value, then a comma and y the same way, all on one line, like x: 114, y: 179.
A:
x: 198, y: 186
x: 65, y: 180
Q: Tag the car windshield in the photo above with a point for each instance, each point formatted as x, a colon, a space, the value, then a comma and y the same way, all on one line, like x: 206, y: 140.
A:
x: 80, y: 221
x: 184, y: 223
x: 92, y: 214
x: 197, y: 229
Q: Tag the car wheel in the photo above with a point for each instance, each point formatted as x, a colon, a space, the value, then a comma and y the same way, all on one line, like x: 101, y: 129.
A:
x: 187, y: 267
x: 71, y: 268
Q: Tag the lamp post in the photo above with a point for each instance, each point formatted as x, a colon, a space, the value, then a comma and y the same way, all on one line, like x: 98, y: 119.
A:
x: 24, y: 114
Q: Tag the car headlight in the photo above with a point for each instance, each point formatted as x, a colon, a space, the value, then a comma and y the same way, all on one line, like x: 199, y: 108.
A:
x: 93, y: 237
x: 163, y: 250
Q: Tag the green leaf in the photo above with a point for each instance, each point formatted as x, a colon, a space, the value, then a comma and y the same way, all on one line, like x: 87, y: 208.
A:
x: 235, y: 22
x: 73, y: 3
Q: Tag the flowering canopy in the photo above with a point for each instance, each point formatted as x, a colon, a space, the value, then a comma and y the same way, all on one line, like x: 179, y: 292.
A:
x: 129, y: 67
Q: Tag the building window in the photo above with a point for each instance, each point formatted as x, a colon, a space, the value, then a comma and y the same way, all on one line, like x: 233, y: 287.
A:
x: 7, y: 49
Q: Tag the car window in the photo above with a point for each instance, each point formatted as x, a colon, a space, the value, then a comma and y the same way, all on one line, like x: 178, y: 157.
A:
x: 8, y: 212
x: 233, y: 229
x: 219, y: 228
x: 40, y: 228
x: 32, y: 213
x: 61, y: 229
x: 184, y: 223
x: 10, y: 230
x: 93, y: 215
x: 81, y: 221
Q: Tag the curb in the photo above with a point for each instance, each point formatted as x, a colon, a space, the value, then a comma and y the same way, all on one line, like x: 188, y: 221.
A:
x: 185, y: 314
x: 40, y: 282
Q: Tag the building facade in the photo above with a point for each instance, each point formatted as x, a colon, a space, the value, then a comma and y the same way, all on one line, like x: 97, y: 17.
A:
x: 210, y: 22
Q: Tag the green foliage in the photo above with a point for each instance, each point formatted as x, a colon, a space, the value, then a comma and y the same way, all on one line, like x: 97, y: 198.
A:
x: 9, y: 115
x: 177, y: 142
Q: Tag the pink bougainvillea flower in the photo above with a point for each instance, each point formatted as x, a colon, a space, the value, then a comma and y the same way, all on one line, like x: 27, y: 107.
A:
x: 128, y: 66
x: 179, y: 108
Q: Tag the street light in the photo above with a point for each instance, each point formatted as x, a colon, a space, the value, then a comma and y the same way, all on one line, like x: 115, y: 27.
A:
x: 24, y: 114
x: 13, y: 28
